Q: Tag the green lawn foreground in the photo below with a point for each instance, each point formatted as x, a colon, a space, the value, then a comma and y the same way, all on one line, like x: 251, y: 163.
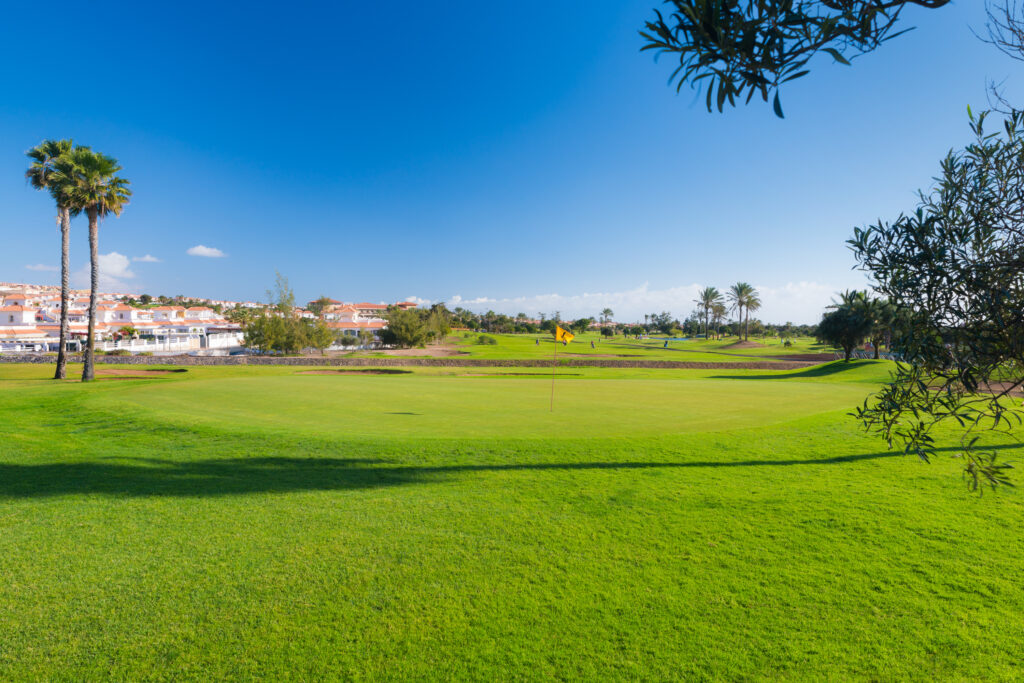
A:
x: 256, y: 522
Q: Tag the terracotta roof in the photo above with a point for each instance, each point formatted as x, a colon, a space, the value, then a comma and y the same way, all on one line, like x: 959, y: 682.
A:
x: 11, y: 309
x: 353, y: 326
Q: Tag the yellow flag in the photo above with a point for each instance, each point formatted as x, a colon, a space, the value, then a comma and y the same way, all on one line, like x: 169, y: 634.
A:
x: 563, y: 335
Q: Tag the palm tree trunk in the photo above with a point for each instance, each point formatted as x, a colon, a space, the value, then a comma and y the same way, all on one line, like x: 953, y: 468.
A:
x: 62, y: 356
x: 746, y: 326
x: 88, y: 371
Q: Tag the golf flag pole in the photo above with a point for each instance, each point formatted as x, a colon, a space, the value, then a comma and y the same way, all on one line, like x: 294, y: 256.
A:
x: 565, y: 337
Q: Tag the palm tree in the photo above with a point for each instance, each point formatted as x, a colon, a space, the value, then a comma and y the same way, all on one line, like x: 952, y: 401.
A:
x: 708, y: 298
x: 753, y: 304
x: 41, y: 175
x: 92, y: 186
x: 718, y: 312
x: 606, y: 314
x: 738, y: 295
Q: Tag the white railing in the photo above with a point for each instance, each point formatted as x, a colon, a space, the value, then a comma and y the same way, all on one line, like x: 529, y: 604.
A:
x: 860, y: 354
x: 224, y: 340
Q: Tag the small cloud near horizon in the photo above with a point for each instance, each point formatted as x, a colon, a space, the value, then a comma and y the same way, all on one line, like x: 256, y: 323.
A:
x: 114, y: 269
x: 148, y: 258
x: 43, y: 268
x: 205, y: 252
x: 798, y: 302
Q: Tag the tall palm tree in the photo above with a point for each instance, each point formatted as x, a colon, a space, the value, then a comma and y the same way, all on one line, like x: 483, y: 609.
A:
x: 753, y: 304
x: 707, y: 299
x: 606, y: 315
x: 92, y: 186
x: 738, y: 295
x: 41, y: 174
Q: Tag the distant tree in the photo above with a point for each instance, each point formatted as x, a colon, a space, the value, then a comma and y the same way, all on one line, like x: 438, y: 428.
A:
x: 845, y: 327
x: 438, y: 322
x: 318, y: 335
x: 736, y: 49
x: 145, y: 299
x: 738, y: 295
x: 707, y: 299
x: 581, y: 325
x: 91, y: 185
x: 281, y: 298
x: 606, y: 315
x: 753, y: 304
x: 406, y: 328
x: 718, y: 311
x: 128, y: 331
x: 317, y: 307
x: 607, y: 332
x: 662, y: 322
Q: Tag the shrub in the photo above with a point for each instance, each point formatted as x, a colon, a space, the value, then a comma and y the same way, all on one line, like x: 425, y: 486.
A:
x: 119, y: 352
x: 146, y: 353
x: 487, y: 340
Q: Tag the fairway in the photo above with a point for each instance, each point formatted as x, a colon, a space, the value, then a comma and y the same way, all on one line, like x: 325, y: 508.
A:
x: 257, y: 522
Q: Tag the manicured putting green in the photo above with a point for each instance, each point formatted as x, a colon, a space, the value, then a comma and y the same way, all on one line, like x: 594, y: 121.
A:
x: 446, y: 407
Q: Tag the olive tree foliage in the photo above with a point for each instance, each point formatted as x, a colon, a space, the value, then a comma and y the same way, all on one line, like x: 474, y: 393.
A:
x: 736, y: 49
x: 955, y: 267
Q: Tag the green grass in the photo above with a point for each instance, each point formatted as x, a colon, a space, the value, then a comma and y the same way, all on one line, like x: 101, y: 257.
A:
x: 245, y: 522
x: 516, y: 346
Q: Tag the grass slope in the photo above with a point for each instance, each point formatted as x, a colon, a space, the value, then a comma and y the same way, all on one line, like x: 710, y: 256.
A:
x: 252, y: 522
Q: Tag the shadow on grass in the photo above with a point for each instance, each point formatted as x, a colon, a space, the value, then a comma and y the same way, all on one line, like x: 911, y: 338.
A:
x: 826, y: 370
x: 145, y: 477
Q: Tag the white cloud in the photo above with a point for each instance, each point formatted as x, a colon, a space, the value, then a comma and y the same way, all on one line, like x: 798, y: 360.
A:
x: 798, y: 302
x: 43, y: 268
x: 207, y: 252
x: 145, y: 259
x: 114, y: 269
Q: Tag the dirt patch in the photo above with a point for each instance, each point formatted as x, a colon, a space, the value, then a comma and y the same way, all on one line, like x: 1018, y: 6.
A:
x: 444, y: 351
x: 744, y: 345
x: 603, y: 355
x: 360, y: 371
x: 1000, y: 387
x: 809, y: 357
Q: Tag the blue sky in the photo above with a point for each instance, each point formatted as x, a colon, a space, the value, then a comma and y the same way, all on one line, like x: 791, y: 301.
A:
x: 521, y: 156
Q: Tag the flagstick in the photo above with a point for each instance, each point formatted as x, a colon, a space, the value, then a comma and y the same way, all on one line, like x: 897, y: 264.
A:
x: 554, y: 364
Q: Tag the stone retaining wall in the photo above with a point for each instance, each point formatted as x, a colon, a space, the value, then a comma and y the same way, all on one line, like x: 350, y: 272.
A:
x: 451, y: 362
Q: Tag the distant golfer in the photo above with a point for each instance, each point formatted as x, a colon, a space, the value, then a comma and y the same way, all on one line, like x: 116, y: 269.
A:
x: 592, y: 344
x: 666, y: 344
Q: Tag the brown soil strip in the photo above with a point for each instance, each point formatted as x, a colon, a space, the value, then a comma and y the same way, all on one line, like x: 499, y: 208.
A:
x: 520, y: 374
x: 360, y: 371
